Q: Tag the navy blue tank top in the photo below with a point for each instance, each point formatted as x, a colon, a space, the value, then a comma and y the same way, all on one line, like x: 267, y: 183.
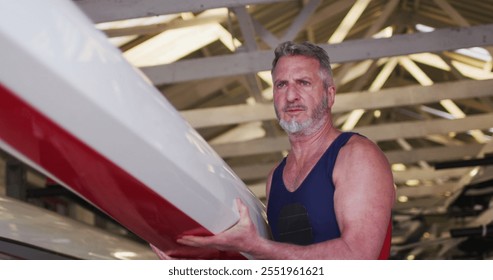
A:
x: 307, y: 215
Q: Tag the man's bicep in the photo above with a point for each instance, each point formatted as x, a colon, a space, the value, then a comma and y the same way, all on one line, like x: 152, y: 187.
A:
x: 363, y: 199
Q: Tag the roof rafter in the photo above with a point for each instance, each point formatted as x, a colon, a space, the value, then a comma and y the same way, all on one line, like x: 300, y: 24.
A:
x: 386, y: 98
x: 260, y: 171
x: 392, y: 131
x: 354, y: 50
x: 111, y: 10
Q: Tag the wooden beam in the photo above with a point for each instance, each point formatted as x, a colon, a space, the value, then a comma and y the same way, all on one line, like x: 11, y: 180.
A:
x: 424, y: 191
x: 392, y: 131
x: 160, y: 27
x: 348, y: 51
x: 428, y: 174
x: 246, y: 27
x: 415, y: 129
x: 301, y: 20
x: 434, y: 154
x: 260, y: 171
x: 112, y: 10
x: 331, y: 11
x: 387, y: 98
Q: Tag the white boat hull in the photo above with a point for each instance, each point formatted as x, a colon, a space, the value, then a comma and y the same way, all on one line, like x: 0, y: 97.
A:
x: 75, y: 109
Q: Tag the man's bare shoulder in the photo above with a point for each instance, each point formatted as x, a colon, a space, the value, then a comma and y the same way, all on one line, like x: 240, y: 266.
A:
x: 361, y: 164
x: 361, y: 157
x: 360, y: 146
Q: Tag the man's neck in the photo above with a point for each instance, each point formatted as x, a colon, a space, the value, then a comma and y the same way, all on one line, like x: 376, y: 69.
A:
x: 306, y: 151
x: 306, y: 146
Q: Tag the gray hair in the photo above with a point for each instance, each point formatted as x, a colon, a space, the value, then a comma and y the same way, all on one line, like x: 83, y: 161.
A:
x: 307, y: 49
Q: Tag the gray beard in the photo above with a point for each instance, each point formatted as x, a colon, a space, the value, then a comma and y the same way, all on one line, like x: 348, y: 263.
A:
x: 293, y: 126
x: 309, y: 126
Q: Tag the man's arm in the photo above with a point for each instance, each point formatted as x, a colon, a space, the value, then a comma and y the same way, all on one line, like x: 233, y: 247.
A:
x: 363, y: 200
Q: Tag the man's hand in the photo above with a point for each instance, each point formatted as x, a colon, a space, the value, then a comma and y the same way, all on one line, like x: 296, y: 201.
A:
x: 241, y: 237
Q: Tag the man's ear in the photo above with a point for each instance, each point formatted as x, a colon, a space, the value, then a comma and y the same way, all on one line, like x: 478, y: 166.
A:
x: 331, y: 95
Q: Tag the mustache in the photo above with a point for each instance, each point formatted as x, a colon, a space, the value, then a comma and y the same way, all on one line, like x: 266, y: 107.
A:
x: 294, y: 106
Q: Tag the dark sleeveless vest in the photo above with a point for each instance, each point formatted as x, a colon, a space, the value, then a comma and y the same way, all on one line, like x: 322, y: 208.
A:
x: 307, y: 215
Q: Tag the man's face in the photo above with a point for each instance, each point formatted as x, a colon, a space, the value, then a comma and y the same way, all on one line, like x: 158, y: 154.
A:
x: 300, y: 99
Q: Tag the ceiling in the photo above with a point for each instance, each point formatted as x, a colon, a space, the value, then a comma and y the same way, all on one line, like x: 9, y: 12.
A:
x: 414, y: 76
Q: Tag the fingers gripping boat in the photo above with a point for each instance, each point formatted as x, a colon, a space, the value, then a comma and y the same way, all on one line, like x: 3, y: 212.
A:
x: 72, y: 107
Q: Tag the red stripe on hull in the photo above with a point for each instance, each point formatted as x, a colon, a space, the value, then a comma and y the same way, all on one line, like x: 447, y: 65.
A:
x: 99, y: 180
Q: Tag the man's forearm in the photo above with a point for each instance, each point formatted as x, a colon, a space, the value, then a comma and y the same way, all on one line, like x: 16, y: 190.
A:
x: 335, y: 249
